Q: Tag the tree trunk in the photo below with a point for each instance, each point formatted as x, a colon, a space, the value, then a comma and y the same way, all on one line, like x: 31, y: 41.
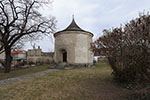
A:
x: 8, y: 60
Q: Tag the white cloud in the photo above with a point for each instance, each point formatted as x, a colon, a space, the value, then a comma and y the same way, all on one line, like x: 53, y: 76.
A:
x: 95, y: 15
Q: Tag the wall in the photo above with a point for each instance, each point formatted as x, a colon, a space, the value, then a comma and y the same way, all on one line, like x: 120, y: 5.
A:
x: 39, y: 59
x: 19, y: 55
x: 37, y: 56
x: 34, y: 52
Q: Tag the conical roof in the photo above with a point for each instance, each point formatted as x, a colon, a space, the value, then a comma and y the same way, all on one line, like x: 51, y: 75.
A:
x: 73, y: 27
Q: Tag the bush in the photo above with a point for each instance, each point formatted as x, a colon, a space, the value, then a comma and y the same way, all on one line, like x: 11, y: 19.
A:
x: 128, y: 50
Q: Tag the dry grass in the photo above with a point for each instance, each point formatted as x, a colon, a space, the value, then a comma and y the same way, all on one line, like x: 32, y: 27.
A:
x: 15, y: 73
x: 77, y: 84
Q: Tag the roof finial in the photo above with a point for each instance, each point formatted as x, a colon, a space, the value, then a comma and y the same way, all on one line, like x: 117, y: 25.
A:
x: 73, y: 16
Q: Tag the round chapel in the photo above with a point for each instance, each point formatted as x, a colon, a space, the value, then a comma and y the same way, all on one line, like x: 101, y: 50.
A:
x: 73, y: 46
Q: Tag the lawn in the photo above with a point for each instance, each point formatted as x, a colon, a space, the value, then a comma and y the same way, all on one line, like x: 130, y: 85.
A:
x: 19, y: 72
x: 77, y: 84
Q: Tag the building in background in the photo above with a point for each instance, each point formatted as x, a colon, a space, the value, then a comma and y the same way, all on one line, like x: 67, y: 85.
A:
x: 19, y: 56
x: 36, y: 56
x: 99, y: 55
x: 2, y: 56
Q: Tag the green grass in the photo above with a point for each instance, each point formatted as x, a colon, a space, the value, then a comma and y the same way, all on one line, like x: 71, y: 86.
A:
x: 77, y: 84
x: 101, y: 65
x: 15, y: 73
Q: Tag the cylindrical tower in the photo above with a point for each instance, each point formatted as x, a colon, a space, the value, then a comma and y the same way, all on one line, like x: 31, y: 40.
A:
x: 73, y: 46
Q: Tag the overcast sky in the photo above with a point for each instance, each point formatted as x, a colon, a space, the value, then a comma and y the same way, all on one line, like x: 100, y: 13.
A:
x: 92, y: 15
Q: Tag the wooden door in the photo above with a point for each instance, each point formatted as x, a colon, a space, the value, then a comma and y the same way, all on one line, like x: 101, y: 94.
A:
x: 64, y: 56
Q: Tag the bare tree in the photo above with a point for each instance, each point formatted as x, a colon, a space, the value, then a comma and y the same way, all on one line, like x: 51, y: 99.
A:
x: 21, y: 19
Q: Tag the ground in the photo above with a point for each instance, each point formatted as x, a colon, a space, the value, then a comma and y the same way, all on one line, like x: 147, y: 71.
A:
x: 20, y: 72
x: 77, y: 84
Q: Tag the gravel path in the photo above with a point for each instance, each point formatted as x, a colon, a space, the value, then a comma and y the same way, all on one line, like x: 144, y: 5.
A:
x: 9, y: 80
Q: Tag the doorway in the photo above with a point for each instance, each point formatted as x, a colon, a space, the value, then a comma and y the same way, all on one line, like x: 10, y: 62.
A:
x: 64, y: 56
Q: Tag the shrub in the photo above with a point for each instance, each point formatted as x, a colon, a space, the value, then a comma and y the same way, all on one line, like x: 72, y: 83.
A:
x: 128, y: 50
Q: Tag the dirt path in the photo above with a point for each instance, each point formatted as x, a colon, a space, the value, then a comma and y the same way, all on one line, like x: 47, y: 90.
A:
x: 26, y: 76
